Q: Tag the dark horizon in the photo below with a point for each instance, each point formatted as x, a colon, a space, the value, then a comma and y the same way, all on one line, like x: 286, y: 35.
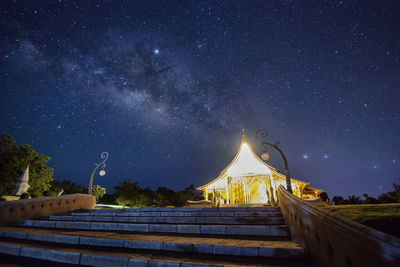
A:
x: 166, y: 88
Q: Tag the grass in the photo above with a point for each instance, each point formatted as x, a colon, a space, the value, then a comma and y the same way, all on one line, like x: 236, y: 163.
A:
x: 383, y: 217
x: 106, y: 206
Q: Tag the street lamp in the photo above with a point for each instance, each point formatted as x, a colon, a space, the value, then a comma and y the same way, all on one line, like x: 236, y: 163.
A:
x: 261, y: 135
x: 102, y: 172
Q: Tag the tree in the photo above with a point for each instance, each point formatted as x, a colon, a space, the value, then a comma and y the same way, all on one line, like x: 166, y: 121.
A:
x: 370, y: 200
x: 324, y: 196
x: 107, y: 199
x: 98, y: 192
x: 123, y: 201
x: 13, y: 161
x: 129, y: 193
x: 8, y: 171
x: 189, y: 193
x: 392, y: 196
x: 166, y: 197
x: 338, y: 200
x: 353, y: 199
x: 69, y: 187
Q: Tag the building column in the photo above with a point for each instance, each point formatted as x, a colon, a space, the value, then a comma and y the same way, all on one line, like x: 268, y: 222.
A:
x: 227, y: 190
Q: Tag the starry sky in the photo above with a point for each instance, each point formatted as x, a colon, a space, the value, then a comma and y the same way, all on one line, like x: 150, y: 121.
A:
x: 167, y: 86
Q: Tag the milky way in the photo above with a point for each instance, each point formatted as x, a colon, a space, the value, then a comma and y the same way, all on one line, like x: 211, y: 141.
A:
x: 166, y: 87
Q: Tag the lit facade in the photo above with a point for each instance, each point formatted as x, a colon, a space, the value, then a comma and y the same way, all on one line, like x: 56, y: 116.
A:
x: 249, y: 180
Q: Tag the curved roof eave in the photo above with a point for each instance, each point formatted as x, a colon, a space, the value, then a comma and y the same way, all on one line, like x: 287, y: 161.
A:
x: 274, y: 170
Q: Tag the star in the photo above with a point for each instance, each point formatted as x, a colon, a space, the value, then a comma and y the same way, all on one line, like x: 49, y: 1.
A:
x: 213, y: 74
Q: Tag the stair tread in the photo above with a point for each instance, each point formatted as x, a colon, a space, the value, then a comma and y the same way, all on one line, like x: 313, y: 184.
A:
x: 84, y: 255
x: 180, y: 213
x: 160, y: 223
x: 183, y: 216
x: 264, y: 208
x: 178, y: 228
x: 225, y: 241
x: 173, y: 219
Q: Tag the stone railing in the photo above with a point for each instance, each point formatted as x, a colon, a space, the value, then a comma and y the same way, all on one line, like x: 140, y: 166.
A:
x: 333, y: 240
x: 11, y: 211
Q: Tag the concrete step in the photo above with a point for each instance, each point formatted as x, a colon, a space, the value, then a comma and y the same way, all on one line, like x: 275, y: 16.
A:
x: 234, y: 230
x: 158, y: 242
x: 221, y: 209
x: 173, y: 219
x: 136, y: 213
x: 118, y: 257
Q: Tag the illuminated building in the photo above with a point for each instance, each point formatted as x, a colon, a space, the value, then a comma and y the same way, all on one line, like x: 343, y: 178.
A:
x: 249, y: 180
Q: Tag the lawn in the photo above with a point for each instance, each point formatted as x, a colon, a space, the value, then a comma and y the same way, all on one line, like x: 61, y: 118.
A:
x: 383, y: 217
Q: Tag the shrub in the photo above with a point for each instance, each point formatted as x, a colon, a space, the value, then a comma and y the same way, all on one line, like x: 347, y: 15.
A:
x: 25, y: 196
x: 49, y: 194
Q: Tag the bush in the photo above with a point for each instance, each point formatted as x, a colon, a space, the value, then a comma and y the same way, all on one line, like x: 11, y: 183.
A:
x: 98, y: 192
x: 107, y: 199
x: 123, y: 201
x: 25, y: 196
x: 2, y: 199
x: 49, y: 194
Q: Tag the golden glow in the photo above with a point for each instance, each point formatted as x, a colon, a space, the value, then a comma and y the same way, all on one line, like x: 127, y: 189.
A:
x: 249, y: 180
x: 246, y: 164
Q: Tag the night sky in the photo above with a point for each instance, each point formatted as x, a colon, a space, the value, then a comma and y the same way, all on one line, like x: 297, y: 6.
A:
x: 167, y: 86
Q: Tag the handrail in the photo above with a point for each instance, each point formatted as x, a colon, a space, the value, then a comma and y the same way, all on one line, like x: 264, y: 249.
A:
x: 333, y: 240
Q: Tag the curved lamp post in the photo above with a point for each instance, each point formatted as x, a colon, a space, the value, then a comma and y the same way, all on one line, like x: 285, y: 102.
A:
x: 261, y: 135
x: 102, y: 172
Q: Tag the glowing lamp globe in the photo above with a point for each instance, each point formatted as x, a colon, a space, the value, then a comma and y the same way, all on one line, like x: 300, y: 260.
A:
x: 265, y: 157
x: 102, y: 173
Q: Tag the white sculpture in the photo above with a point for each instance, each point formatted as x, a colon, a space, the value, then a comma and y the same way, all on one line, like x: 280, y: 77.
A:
x: 23, y: 186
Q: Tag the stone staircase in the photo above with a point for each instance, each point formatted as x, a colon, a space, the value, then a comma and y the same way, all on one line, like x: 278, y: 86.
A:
x: 252, y: 236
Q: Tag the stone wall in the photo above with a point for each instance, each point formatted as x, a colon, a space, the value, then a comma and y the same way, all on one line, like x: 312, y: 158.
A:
x: 11, y: 211
x: 333, y: 240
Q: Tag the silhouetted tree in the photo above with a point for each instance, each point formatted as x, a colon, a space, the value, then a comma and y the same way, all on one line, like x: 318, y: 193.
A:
x: 338, y: 200
x: 130, y: 193
x: 69, y: 187
x: 166, y: 197
x: 13, y: 161
x: 370, y: 200
x: 392, y: 196
x: 107, y: 199
x: 324, y: 196
x: 353, y: 199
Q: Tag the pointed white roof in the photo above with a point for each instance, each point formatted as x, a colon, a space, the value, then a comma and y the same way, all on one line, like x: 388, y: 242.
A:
x: 246, y: 163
